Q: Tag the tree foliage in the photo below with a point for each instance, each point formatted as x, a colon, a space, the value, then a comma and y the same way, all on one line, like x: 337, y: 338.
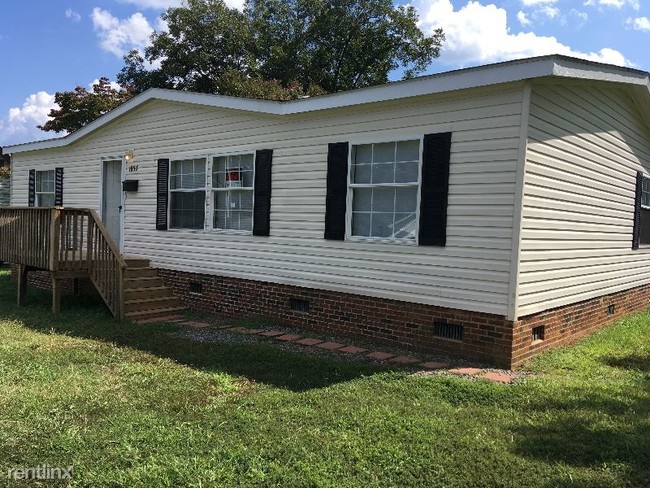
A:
x: 78, y: 107
x: 204, y: 40
x: 235, y: 84
x: 282, y: 48
x: 339, y: 45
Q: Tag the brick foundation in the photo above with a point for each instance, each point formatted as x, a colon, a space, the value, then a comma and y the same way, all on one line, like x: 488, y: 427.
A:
x: 410, y: 326
x: 486, y: 337
x: 564, y: 325
x: 43, y: 280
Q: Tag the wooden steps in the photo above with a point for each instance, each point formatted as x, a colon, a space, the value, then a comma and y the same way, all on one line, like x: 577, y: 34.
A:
x: 145, y: 295
x: 74, y: 243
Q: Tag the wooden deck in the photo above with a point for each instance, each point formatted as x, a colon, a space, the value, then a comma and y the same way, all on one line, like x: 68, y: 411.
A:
x: 69, y: 243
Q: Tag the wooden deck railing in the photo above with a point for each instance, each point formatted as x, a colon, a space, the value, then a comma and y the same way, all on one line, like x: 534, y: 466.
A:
x: 25, y: 236
x: 68, y: 242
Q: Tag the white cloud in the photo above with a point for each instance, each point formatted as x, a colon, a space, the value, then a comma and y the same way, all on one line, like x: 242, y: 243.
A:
x: 118, y: 36
x: 550, y: 12
x: 640, y: 23
x: 528, y: 3
x: 479, y: 33
x: 20, y: 122
x: 523, y: 18
x: 73, y: 15
x: 238, y: 4
x: 634, y: 4
x: 542, y: 10
x: 114, y: 84
x: 580, y: 16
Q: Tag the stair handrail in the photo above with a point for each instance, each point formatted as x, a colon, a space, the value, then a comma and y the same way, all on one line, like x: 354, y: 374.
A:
x: 115, y: 302
x: 109, y: 239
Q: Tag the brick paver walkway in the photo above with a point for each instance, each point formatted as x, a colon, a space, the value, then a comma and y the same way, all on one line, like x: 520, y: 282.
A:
x: 309, y: 342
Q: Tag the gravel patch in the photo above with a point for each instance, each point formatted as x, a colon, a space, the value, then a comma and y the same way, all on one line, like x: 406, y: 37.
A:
x: 237, y: 337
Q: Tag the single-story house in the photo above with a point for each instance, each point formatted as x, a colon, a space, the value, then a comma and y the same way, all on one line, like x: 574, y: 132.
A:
x: 489, y: 212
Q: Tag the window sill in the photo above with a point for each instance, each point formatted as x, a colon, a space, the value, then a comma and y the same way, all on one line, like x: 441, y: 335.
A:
x: 211, y: 231
x: 379, y: 240
x: 231, y: 232
x: 182, y: 229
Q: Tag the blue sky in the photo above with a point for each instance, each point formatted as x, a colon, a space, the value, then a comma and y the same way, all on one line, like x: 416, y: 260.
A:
x: 54, y: 45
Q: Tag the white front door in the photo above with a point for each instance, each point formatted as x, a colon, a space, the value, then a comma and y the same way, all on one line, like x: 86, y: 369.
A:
x: 112, y: 199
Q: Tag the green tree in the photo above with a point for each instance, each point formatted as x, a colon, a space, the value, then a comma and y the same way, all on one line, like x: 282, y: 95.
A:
x: 80, y: 106
x: 282, y: 48
x: 235, y: 84
x: 341, y: 44
x: 204, y: 40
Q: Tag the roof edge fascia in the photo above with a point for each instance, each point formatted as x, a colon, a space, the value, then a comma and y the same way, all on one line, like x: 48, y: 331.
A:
x: 467, y: 78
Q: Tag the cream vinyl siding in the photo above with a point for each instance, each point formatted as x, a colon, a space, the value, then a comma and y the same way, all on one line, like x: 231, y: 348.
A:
x: 471, y: 272
x: 81, y: 178
x: 586, y: 144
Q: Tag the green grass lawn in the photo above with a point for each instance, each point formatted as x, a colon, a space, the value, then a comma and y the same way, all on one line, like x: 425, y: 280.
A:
x: 132, y: 406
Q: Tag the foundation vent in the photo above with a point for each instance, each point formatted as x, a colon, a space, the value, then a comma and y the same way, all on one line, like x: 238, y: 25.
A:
x: 611, y: 308
x: 538, y: 333
x: 445, y: 330
x: 299, y: 305
x: 196, y: 287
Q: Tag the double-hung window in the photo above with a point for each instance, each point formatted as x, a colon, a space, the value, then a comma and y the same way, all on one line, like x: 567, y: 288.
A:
x: 44, y: 188
x: 232, y: 189
x: 187, y: 193
x: 384, y: 183
x: 644, y: 218
x: 220, y: 192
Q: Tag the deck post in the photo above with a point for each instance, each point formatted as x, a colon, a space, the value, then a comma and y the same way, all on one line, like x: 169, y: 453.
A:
x: 55, y: 236
x: 56, y: 295
x: 120, y: 294
x: 22, y: 284
x: 90, y: 243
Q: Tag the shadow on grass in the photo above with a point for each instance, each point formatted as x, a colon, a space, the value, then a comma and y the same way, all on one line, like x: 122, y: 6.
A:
x: 602, y: 425
x: 637, y: 363
x: 262, y: 362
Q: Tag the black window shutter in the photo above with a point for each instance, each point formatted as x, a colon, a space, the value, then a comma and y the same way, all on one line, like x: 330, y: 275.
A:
x: 337, y: 190
x: 58, y: 187
x: 435, y: 189
x: 162, y: 194
x: 262, y: 209
x: 636, y: 230
x: 31, y: 195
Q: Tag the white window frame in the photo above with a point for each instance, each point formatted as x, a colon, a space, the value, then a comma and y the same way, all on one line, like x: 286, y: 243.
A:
x: 183, y: 190
x: 38, y: 194
x: 210, y: 191
x: 646, y: 178
x: 352, y: 186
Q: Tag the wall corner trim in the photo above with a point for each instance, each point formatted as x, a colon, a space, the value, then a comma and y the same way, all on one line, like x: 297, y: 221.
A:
x: 515, y: 255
